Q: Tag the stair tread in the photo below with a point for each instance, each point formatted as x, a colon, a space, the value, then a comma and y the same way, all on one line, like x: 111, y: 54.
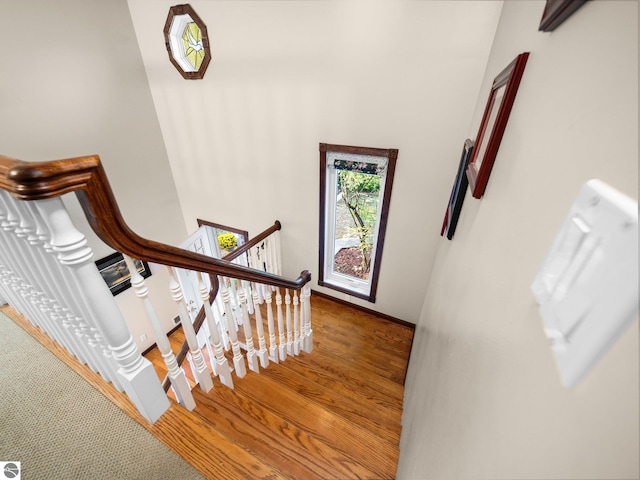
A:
x: 273, y: 440
x: 204, y: 447
x: 370, y: 450
x: 333, y: 413
x: 361, y: 412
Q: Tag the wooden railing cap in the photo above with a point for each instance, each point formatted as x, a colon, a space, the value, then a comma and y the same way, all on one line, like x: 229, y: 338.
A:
x: 86, y: 177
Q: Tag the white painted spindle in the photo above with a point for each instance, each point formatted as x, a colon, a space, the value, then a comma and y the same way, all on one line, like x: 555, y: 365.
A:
x: 273, y: 347
x: 296, y: 324
x: 176, y: 374
x: 201, y: 370
x: 233, y: 294
x: 252, y: 355
x: 238, y: 359
x: 278, y: 250
x: 287, y: 309
x: 222, y: 365
x: 282, y: 347
x: 248, y: 295
x: 263, y: 354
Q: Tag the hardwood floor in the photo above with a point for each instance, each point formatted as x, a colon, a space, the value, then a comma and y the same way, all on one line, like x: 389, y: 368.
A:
x: 331, y: 414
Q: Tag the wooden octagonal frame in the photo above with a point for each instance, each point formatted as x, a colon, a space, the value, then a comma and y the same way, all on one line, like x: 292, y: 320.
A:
x: 177, y: 11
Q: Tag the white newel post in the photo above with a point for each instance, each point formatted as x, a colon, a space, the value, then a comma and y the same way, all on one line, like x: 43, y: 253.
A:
x: 305, y: 310
x: 220, y: 361
x: 138, y: 376
x: 202, y: 373
x: 176, y: 374
x: 69, y: 309
x: 238, y: 359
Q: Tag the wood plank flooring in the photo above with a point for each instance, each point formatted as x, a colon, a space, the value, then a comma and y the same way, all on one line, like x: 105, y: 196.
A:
x: 331, y: 414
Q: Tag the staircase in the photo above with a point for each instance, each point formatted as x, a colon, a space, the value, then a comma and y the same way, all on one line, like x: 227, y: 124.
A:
x: 334, y: 414
x: 281, y: 403
x: 47, y: 274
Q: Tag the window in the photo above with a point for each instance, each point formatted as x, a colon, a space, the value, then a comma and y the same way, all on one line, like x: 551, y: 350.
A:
x: 187, y: 42
x: 355, y: 189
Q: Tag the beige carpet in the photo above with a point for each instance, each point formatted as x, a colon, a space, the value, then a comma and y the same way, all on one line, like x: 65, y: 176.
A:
x: 60, y: 427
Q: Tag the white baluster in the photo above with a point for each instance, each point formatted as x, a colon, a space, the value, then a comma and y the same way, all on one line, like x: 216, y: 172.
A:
x: 176, y: 374
x: 287, y: 309
x: 260, y: 288
x: 252, y: 355
x: 238, y: 359
x: 307, y: 340
x: 221, y: 364
x: 296, y: 324
x: 27, y: 257
x: 254, y: 262
x: 248, y: 295
x: 47, y: 269
x: 31, y: 300
x: 220, y: 322
x: 233, y: 293
x: 201, y: 370
x: 283, y: 344
x: 138, y: 376
x: 263, y: 354
x: 273, y: 347
x: 278, y: 250
x: 271, y: 255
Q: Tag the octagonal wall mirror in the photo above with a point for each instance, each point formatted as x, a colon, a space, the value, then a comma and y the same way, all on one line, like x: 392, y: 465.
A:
x: 187, y: 42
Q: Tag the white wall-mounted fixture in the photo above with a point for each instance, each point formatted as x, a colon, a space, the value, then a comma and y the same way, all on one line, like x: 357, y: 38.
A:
x: 587, y: 286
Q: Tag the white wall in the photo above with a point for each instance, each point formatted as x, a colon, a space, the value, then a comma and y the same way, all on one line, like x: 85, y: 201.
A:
x: 287, y: 75
x: 483, y: 396
x: 73, y: 84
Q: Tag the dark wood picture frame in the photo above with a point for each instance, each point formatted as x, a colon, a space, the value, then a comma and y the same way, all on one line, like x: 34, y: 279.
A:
x: 176, y: 11
x: 458, y: 192
x: 116, y: 274
x: 557, y: 11
x: 494, y: 122
x: 392, y: 155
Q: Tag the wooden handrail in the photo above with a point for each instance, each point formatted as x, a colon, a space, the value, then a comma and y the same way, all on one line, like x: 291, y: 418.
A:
x: 215, y: 287
x: 86, y: 177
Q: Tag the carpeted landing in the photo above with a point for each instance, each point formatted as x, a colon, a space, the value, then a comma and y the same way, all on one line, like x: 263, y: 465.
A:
x: 60, y: 427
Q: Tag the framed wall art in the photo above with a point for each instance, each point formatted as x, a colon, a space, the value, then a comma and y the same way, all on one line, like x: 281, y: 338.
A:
x: 457, y: 192
x: 557, y: 11
x: 494, y: 121
x: 115, y: 273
